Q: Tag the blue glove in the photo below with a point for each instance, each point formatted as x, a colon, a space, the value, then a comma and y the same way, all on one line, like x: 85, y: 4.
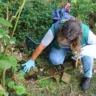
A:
x: 73, y: 57
x: 28, y: 65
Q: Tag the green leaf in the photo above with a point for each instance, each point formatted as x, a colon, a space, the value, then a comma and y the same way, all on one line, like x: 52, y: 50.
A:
x: 2, y: 3
x: 6, y: 40
x: 7, y: 62
x: 12, y: 40
x: 1, y: 55
x: 21, y: 75
x: 75, y: 1
x: 2, y: 93
x: 12, y: 60
x: 4, y: 64
x: 3, y: 31
x: 5, y: 22
x: 20, y: 89
x: 11, y: 84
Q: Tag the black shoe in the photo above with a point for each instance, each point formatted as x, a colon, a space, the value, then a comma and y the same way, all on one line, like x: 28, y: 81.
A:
x: 85, y: 83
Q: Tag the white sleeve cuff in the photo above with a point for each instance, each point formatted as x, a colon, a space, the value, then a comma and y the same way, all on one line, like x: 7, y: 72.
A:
x: 47, y: 39
x: 91, y: 38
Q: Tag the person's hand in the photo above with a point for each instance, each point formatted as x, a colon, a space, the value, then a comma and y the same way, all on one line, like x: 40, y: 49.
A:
x: 28, y: 65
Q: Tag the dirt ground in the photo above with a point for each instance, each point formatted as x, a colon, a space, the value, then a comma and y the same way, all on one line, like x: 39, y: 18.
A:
x: 47, y: 86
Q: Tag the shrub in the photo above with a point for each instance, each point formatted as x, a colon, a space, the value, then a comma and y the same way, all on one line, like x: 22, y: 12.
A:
x: 36, y: 18
x: 82, y: 9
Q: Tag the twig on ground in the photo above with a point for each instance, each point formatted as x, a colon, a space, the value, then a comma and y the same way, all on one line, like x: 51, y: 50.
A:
x: 71, y: 90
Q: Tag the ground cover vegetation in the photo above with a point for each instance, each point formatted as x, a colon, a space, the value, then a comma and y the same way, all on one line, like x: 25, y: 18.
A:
x: 19, y: 18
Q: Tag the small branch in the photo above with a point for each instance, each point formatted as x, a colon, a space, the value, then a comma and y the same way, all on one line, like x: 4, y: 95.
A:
x: 3, y: 77
x: 5, y: 51
x: 13, y: 17
x: 7, y: 14
x: 43, y: 79
x: 39, y: 89
x: 53, y: 76
x: 7, y: 18
x: 71, y: 90
x: 20, y: 10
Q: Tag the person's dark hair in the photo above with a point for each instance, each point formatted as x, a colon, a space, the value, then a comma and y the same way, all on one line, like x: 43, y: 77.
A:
x: 71, y: 29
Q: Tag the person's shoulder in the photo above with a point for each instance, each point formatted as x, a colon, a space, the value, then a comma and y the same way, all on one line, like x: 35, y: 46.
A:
x: 84, y: 25
x: 85, y: 28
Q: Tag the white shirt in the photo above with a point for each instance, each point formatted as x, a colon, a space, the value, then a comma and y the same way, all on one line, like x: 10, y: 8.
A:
x: 47, y: 39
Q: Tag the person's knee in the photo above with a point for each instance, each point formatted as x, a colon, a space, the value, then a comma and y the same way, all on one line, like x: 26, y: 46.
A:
x: 88, y: 60
x: 56, y: 61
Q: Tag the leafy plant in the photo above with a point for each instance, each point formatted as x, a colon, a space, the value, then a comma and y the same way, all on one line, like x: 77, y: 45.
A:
x: 7, y: 62
x: 20, y: 75
x: 82, y: 9
x: 37, y: 20
x: 3, y: 92
x: 7, y: 40
x: 19, y: 88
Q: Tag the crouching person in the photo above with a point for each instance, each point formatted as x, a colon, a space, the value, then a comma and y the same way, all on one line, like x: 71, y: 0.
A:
x: 65, y: 35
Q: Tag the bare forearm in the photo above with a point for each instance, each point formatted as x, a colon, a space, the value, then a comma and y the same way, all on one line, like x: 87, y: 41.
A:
x: 37, y: 52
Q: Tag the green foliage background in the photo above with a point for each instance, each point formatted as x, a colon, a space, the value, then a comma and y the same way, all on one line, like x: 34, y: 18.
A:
x: 82, y: 9
x: 36, y: 18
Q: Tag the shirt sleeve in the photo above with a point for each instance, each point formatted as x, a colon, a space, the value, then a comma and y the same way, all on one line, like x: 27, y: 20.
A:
x: 91, y: 38
x: 47, y: 39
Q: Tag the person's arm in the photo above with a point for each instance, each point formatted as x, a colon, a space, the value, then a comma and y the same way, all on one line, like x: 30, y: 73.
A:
x: 44, y: 43
x: 91, y: 38
x: 37, y: 51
